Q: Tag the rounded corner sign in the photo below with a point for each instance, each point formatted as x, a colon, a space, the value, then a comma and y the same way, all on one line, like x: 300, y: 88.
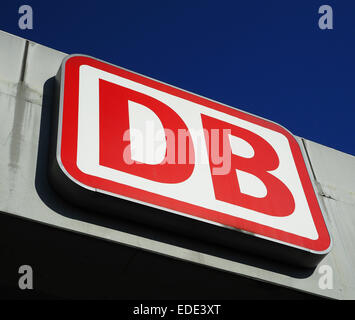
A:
x: 134, y: 138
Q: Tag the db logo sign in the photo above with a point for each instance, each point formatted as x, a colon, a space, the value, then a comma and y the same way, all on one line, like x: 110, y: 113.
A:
x: 143, y: 150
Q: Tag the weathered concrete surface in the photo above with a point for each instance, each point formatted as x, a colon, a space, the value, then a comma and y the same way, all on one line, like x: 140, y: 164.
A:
x: 25, y: 89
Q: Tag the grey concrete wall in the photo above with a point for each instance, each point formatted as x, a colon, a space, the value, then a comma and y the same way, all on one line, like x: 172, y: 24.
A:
x: 25, y: 70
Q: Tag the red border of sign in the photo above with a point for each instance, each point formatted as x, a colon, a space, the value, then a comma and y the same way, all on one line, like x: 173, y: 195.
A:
x: 68, y: 155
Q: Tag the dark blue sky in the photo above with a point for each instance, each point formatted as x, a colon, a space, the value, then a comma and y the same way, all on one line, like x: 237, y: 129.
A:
x: 266, y: 57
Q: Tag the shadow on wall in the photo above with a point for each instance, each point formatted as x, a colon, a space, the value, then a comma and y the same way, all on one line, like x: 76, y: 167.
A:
x: 62, y: 207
